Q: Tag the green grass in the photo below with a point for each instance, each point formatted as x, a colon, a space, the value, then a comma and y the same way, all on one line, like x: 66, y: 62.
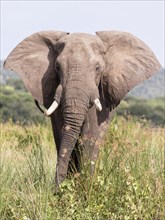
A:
x: 128, y: 182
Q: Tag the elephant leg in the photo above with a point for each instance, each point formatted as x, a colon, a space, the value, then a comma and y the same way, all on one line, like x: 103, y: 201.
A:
x: 57, y: 124
x: 93, y: 145
x: 99, y: 142
x: 94, y: 131
x: 56, y: 121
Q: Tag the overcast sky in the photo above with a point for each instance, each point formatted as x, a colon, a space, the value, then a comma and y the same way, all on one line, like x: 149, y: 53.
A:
x: 145, y: 19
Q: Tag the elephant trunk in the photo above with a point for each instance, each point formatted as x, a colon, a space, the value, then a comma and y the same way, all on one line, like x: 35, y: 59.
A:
x: 75, y: 104
x: 70, y: 135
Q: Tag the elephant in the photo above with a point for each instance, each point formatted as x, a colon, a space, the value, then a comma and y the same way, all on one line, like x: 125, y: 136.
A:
x: 80, y: 79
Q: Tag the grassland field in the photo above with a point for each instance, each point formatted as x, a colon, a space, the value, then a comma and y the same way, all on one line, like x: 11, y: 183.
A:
x: 128, y: 181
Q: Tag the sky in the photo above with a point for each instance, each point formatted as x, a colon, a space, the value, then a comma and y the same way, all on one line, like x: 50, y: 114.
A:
x: 144, y: 19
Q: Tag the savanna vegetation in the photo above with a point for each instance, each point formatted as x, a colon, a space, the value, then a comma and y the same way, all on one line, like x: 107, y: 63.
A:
x: 128, y: 182
x: 151, y: 109
x: 129, y: 178
x: 17, y: 105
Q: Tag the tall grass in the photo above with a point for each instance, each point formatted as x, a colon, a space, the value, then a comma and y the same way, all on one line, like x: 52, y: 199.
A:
x: 128, y: 181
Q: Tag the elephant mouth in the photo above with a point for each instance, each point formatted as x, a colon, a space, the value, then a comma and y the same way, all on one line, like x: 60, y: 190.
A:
x: 55, y: 104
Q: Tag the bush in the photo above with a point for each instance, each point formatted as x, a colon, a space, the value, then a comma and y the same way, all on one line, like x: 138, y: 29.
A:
x: 16, y: 84
x: 19, y: 106
x: 151, y: 109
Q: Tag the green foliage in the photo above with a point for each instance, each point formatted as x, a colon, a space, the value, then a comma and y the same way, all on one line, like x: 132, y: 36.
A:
x: 17, y: 105
x: 150, y: 109
x: 128, y: 180
x: 17, y: 84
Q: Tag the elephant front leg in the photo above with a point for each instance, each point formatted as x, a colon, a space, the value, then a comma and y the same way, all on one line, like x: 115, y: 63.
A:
x: 96, y: 149
x: 94, y: 132
x: 93, y: 145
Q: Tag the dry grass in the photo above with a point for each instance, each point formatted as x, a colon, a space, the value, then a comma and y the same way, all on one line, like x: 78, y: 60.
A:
x: 128, y: 182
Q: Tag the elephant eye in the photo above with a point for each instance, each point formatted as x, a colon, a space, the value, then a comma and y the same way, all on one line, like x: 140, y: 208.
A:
x: 98, y: 67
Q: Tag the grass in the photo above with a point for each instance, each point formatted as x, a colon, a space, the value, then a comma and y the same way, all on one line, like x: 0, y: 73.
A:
x: 128, y: 182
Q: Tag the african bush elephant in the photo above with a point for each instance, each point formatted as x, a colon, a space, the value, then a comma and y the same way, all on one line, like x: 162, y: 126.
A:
x: 80, y: 78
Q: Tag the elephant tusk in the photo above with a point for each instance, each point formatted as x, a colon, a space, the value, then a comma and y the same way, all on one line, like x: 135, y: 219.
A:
x: 52, y: 108
x: 98, y: 105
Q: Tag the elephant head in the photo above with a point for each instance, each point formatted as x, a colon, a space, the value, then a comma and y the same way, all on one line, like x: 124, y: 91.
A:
x: 65, y: 71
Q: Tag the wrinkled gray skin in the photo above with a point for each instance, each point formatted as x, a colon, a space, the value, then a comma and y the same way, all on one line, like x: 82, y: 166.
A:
x: 75, y: 69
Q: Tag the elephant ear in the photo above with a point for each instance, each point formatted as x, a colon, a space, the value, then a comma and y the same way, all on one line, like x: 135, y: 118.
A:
x: 33, y: 59
x: 129, y: 62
